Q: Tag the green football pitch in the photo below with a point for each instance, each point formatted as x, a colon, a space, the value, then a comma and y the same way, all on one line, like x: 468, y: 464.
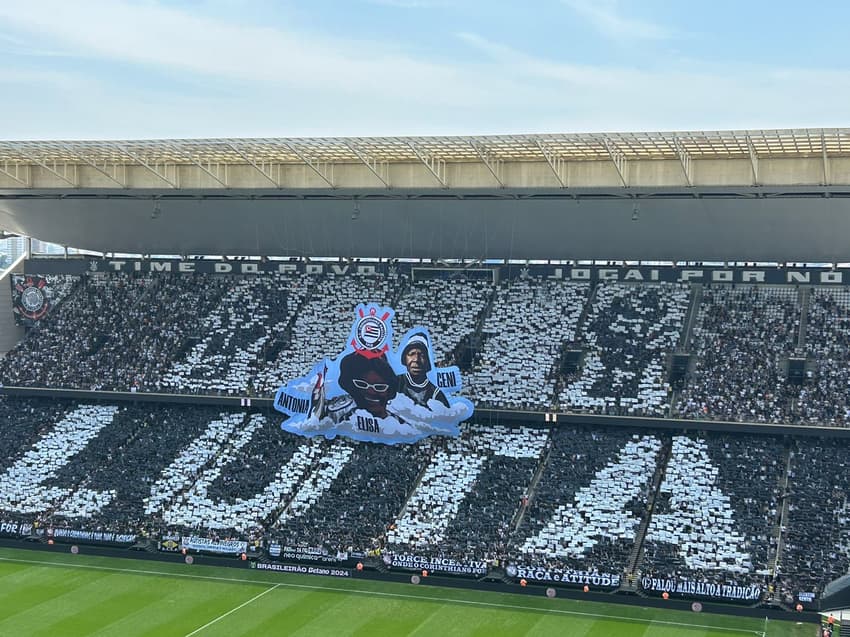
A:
x: 59, y: 594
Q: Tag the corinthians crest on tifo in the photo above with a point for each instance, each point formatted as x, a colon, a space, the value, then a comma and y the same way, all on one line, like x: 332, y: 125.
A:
x: 373, y: 392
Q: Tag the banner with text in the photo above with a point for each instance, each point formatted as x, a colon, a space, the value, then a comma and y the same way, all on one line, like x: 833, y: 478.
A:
x: 563, y: 576
x: 716, y: 273
x: 9, y: 528
x: 84, y: 536
x: 170, y: 543
x: 437, y: 564
x: 304, y: 570
x: 700, y: 588
x: 210, y: 545
x: 306, y: 554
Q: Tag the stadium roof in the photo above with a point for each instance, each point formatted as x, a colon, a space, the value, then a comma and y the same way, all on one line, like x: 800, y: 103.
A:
x: 788, y: 143
x: 65, y: 162
x: 765, y: 195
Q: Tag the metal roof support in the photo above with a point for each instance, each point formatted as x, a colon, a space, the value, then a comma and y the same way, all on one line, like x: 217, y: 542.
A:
x: 258, y: 168
x: 825, y: 159
x: 754, y: 159
x: 113, y: 177
x: 145, y: 164
x: 684, y: 160
x: 373, y: 165
x: 14, y: 176
x: 52, y: 170
x: 619, y: 159
x: 435, y: 165
x: 494, y: 165
x: 556, y: 163
x: 315, y: 166
x: 205, y: 169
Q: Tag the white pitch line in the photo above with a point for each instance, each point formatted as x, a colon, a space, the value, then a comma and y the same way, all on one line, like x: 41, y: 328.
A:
x: 232, y: 610
x: 419, y: 598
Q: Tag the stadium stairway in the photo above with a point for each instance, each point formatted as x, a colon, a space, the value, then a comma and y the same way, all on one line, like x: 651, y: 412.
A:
x: 636, y: 556
x: 693, y: 311
x: 775, y: 558
x: 400, y: 289
x: 278, y: 344
x: 805, y: 294
x: 532, y: 491
x: 582, y: 318
x: 475, y: 339
x: 272, y: 519
x: 432, y: 450
x: 561, y: 377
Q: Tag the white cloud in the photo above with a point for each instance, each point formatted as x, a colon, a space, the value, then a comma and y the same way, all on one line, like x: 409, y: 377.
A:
x: 164, y: 37
x: 281, y: 81
x: 605, y: 16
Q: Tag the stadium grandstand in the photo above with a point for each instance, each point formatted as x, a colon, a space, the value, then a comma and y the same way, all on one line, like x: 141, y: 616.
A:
x: 653, y: 330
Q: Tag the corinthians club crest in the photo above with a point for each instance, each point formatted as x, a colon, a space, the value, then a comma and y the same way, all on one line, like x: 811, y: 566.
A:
x: 31, y: 301
x: 373, y: 392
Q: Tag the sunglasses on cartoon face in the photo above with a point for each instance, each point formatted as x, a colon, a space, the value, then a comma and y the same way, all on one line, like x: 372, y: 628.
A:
x: 362, y: 384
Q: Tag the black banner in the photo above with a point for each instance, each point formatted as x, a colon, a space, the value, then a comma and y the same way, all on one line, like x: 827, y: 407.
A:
x: 306, y: 554
x: 446, y: 565
x: 564, y: 576
x: 170, y: 543
x: 578, y: 273
x: 303, y: 570
x: 698, y: 588
x: 10, y: 528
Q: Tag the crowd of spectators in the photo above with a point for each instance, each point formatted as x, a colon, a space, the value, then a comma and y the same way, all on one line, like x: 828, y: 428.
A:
x: 233, y: 338
x: 717, y: 510
x: 571, y: 497
x: 125, y: 460
x: 449, y: 308
x: 580, y: 495
x: 816, y: 535
x: 823, y: 398
x: 529, y: 321
x: 113, y: 332
x: 249, y: 334
x: 469, y: 494
x: 629, y: 332
x: 236, y: 510
x: 358, y: 502
x: 322, y: 325
x: 741, y: 341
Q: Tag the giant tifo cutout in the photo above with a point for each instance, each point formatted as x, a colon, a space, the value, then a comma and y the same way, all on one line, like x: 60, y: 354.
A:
x: 373, y: 393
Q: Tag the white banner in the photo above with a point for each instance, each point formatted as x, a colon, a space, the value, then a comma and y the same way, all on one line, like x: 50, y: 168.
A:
x: 209, y: 545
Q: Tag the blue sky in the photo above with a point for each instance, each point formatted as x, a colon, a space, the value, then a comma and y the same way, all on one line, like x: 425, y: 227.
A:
x: 110, y: 69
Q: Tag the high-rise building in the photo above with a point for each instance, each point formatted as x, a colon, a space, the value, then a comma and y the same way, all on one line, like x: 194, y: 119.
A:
x: 14, y: 247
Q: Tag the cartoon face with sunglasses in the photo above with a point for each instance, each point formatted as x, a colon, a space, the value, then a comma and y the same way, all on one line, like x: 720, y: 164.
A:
x: 370, y: 382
